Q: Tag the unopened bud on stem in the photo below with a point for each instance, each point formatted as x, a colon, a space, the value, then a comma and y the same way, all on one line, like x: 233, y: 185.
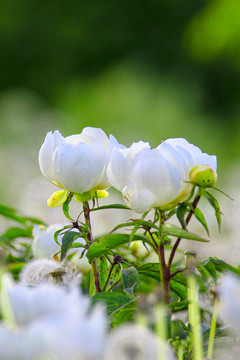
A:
x: 203, y: 175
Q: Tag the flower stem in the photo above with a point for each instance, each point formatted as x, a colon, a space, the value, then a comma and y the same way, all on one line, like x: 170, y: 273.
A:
x: 164, y: 271
x: 175, y: 246
x: 194, y: 319
x: 86, y: 211
x: 180, y: 352
x: 212, y: 332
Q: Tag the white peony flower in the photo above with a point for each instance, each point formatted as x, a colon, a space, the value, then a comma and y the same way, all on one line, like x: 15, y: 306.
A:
x: 130, y: 342
x: 156, y: 177
x: 156, y: 180
x: 77, y: 163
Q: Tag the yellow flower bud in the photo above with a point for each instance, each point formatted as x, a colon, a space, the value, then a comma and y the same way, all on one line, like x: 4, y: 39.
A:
x: 203, y: 175
x: 58, y: 198
x: 101, y: 194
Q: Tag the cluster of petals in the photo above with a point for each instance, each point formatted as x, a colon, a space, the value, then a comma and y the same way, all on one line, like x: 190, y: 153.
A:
x: 146, y: 177
x: 78, y: 162
x: 156, y: 177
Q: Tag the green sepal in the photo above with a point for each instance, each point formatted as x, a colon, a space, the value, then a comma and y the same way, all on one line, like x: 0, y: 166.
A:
x: 101, y: 194
x: 214, y: 203
x: 58, y: 198
x: 86, y: 196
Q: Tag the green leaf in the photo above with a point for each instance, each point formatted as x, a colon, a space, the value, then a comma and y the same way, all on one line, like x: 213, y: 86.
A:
x: 102, y: 265
x: 207, y: 269
x: 151, y: 269
x: 115, y: 275
x: 145, y: 224
x: 11, y: 213
x: 178, y: 329
x: 130, y: 280
x: 169, y: 229
x: 178, y: 289
x: 92, y: 288
x: 103, y: 270
x: 67, y: 241
x: 222, y: 192
x: 109, y: 242
x: 181, y: 211
x: 65, y: 207
x: 214, y: 203
x: 200, y: 217
x: 60, y: 231
x: 221, y: 265
x: 122, y: 316
x: 15, y: 232
x: 136, y: 227
x: 113, y: 206
x: 179, y: 305
x: 113, y: 301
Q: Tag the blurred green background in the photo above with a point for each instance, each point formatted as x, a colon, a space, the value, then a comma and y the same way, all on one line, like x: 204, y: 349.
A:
x: 140, y: 70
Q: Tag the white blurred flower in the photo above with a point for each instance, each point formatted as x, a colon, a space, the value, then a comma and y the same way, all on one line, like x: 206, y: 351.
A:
x: 52, y: 323
x: 77, y: 163
x: 44, y: 245
x: 132, y: 342
x: 229, y: 297
x: 156, y: 177
x: 43, y: 271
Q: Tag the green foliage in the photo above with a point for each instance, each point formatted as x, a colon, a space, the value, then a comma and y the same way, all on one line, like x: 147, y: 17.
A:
x: 67, y: 242
x: 109, y: 242
x: 65, y: 207
x: 113, y: 301
x: 214, y: 203
x: 200, y: 217
x: 169, y: 229
x: 13, y: 214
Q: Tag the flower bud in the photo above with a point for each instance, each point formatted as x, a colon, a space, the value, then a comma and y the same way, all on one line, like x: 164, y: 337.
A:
x: 203, y: 175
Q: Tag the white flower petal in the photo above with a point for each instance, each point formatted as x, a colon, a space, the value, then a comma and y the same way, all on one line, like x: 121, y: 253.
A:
x: 46, y: 154
x: 118, y: 169
x: 139, y: 201
x: 79, y: 168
